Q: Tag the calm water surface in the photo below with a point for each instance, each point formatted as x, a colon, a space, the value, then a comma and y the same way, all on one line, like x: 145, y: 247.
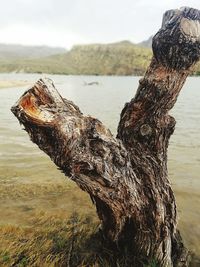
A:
x: 105, y: 101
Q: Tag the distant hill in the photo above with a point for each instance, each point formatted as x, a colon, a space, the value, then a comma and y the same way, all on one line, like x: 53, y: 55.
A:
x: 122, y: 58
x: 146, y: 43
x: 15, y: 51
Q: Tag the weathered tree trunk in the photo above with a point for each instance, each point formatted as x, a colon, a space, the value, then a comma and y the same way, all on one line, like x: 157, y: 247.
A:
x: 126, y: 177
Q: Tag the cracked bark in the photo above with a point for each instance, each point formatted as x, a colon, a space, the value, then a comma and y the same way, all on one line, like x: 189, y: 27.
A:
x: 126, y: 177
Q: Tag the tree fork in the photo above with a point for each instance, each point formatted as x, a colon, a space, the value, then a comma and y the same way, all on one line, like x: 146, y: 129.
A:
x: 126, y: 177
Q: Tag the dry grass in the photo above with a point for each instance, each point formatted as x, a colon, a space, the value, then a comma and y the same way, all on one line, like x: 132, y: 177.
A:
x: 57, y: 240
x: 51, y: 224
x: 50, y: 240
x: 54, y: 224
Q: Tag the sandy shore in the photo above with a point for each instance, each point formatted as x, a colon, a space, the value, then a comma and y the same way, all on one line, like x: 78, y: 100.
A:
x: 7, y: 84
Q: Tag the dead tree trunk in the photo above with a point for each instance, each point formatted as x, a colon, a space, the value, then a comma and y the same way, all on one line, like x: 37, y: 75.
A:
x: 126, y: 177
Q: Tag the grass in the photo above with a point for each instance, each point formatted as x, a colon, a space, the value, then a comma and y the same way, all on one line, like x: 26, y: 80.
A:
x: 46, y: 220
x: 52, y: 240
x: 53, y: 223
x: 57, y: 240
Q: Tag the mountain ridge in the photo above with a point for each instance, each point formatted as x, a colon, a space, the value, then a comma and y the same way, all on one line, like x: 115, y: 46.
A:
x: 120, y: 58
x: 18, y: 51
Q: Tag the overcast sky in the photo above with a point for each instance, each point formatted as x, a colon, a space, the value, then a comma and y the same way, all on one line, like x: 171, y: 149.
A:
x: 68, y: 22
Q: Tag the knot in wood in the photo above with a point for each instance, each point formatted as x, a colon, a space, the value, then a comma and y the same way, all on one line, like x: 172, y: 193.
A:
x: 145, y: 129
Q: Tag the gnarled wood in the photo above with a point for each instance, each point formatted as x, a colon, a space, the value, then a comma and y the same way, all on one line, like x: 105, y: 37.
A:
x: 126, y: 177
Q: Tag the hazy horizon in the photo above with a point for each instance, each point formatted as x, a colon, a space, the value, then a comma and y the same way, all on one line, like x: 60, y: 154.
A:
x: 76, y: 44
x: 63, y: 23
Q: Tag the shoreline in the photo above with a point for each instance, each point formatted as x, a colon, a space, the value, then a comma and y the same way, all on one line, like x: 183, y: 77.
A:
x: 9, y: 84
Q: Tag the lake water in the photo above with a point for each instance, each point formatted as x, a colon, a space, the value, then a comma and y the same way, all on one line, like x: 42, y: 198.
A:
x: 22, y: 163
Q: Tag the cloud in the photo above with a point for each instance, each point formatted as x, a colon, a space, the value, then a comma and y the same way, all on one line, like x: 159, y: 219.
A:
x: 64, y: 22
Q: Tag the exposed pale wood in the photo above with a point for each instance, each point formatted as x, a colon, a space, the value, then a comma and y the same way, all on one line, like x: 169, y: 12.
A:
x: 126, y: 177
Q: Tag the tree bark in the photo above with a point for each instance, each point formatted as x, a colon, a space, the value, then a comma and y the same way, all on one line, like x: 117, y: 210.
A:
x: 126, y: 177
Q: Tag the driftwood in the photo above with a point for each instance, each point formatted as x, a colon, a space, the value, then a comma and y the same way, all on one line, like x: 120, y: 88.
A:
x: 126, y: 177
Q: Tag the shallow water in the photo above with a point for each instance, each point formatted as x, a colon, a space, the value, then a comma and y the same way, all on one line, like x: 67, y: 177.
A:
x: 23, y: 165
